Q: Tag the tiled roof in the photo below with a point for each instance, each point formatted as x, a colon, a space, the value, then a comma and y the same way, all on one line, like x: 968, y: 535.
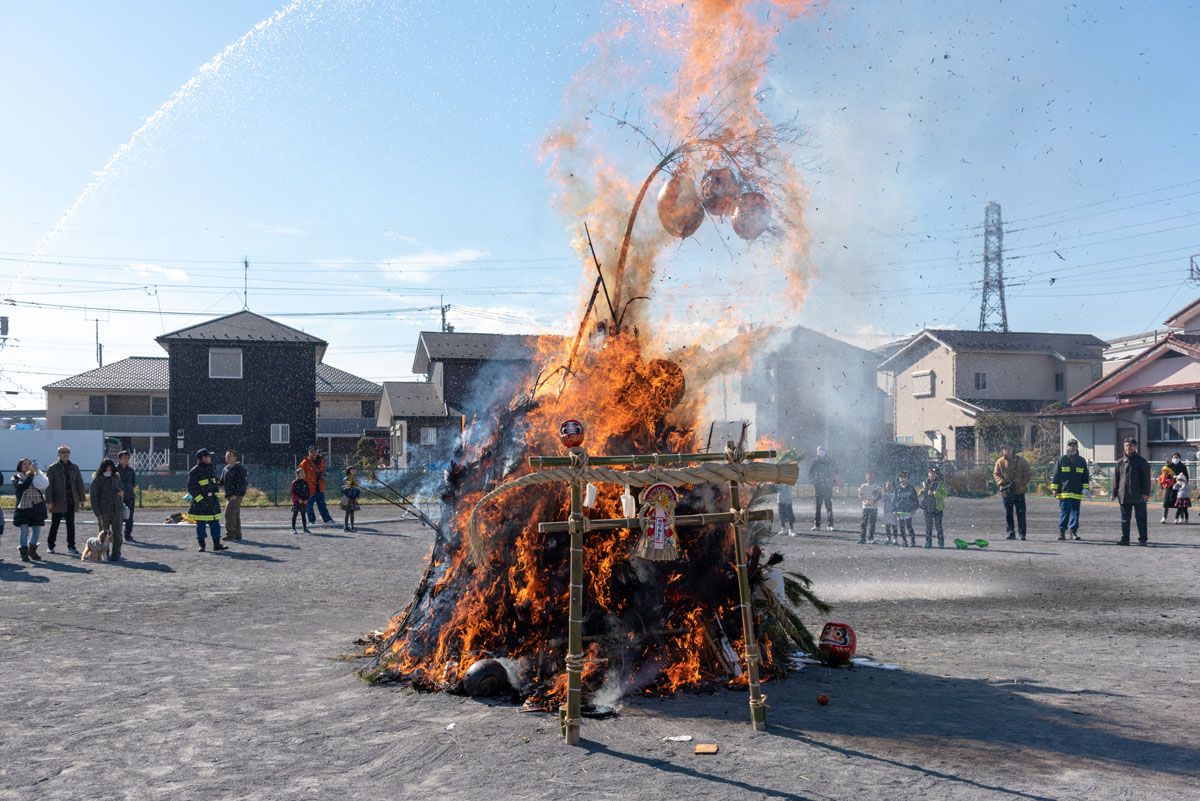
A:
x: 1069, y: 345
x: 1095, y: 408
x: 148, y: 373
x: 243, y: 326
x: 332, y: 381
x: 1176, y: 319
x: 1168, y: 389
x: 415, y: 399
x: 435, y: 346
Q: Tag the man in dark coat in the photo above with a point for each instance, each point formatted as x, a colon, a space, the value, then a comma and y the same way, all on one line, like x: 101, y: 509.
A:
x: 206, y: 506
x: 233, y: 480
x: 129, y: 488
x: 1131, y: 488
x: 821, y: 474
x: 64, y: 497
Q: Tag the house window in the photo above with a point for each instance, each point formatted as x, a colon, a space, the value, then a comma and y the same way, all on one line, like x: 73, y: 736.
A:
x: 224, y: 363
x: 95, y: 404
x: 158, y: 407
x: 281, y: 433
x: 219, y: 419
x: 1059, y: 381
x: 922, y: 384
x: 981, y: 381
x: 368, y: 408
x: 1173, y: 429
x: 428, y: 435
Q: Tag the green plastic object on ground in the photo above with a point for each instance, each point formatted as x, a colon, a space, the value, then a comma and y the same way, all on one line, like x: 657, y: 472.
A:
x: 965, y: 544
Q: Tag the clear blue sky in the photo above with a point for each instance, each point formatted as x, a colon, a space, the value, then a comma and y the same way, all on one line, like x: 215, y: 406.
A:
x: 376, y: 155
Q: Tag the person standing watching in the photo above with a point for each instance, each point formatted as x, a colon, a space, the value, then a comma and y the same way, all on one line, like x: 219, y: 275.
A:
x: 820, y: 473
x: 1070, y: 483
x: 129, y: 488
x: 1131, y: 488
x: 107, y: 499
x: 28, y: 484
x: 233, y: 479
x: 314, y: 473
x: 1012, y: 474
x: 205, y: 506
x: 64, y: 496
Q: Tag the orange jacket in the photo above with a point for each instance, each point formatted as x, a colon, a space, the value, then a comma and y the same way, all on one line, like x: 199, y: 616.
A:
x: 314, y: 474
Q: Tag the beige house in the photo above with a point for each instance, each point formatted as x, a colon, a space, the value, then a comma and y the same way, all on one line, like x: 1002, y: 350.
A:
x: 1153, y: 397
x: 942, y: 380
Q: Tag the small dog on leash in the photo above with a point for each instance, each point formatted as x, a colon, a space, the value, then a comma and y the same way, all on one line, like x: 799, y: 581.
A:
x: 97, y: 548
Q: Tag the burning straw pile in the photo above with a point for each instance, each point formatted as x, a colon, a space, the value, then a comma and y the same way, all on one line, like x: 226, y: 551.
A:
x: 490, y: 615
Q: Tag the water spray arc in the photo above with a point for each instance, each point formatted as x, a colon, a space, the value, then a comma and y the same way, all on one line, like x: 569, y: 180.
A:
x: 206, y: 71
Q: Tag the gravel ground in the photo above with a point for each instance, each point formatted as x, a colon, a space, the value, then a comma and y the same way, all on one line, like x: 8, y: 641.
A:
x: 1030, y: 670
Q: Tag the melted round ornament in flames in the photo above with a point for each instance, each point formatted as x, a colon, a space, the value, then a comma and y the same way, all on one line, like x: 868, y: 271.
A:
x: 719, y: 191
x: 752, y: 215
x: 679, y: 208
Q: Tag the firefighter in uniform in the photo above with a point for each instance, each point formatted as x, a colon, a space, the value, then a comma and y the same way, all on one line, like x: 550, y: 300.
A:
x: 1069, y: 485
x: 206, y: 504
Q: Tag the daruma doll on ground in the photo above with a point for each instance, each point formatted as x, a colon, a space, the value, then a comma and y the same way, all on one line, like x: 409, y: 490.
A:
x: 837, y: 642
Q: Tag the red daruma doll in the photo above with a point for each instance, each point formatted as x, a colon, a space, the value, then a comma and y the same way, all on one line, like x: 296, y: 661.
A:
x: 570, y: 433
x: 837, y: 642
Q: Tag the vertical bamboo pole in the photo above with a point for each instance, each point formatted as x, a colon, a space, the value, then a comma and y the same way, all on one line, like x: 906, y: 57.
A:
x: 758, y: 701
x: 574, y: 660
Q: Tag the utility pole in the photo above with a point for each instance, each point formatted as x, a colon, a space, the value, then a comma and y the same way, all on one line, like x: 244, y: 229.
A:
x: 99, y: 347
x: 245, y: 283
x: 1194, y: 268
x: 993, y: 313
x: 446, y: 329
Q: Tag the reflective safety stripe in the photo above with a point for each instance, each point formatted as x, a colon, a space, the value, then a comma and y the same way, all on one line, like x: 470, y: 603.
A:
x: 204, y: 517
x: 1079, y: 469
x: 204, y: 481
x: 1071, y: 496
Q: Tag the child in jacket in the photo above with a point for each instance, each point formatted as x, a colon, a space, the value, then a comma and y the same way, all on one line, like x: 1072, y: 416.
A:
x: 869, y: 493
x: 350, y: 494
x: 906, y: 505
x: 1183, y: 500
x: 933, y: 501
x: 300, y: 495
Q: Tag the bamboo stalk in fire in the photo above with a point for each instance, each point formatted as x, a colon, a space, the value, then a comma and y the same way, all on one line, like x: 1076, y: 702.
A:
x: 574, y: 660
x: 758, y: 702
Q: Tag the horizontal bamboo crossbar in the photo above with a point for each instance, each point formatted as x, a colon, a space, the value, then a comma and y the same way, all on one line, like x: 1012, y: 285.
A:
x: 646, y: 458
x: 681, y: 520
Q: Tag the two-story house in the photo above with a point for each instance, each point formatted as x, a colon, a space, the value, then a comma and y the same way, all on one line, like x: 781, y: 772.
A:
x: 943, y: 379
x: 132, y: 399
x: 1153, y: 397
x: 465, y: 376
x: 811, y: 390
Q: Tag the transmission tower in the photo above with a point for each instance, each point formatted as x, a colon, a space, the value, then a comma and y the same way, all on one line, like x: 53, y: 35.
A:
x: 993, y: 314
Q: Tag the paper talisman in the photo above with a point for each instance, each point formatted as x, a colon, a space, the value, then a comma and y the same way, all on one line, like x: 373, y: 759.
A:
x: 658, y: 542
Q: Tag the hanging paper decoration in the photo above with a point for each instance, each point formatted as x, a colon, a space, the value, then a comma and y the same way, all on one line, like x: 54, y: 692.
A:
x: 658, y: 542
x: 628, y: 503
x: 837, y: 642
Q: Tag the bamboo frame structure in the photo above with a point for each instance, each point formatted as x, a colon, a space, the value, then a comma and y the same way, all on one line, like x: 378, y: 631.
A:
x: 644, y: 458
x: 577, y: 525
x: 758, y: 702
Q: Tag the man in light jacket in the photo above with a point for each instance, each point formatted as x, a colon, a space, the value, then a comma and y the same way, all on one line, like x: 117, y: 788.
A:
x: 1131, y: 488
x: 1012, y: 474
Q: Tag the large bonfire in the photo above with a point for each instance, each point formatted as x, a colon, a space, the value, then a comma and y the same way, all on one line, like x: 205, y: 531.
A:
x: 649, y: 626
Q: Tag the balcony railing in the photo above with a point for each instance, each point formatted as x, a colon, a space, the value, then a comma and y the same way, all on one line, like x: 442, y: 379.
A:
x: 127, y: 424
x: 343, y: 426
